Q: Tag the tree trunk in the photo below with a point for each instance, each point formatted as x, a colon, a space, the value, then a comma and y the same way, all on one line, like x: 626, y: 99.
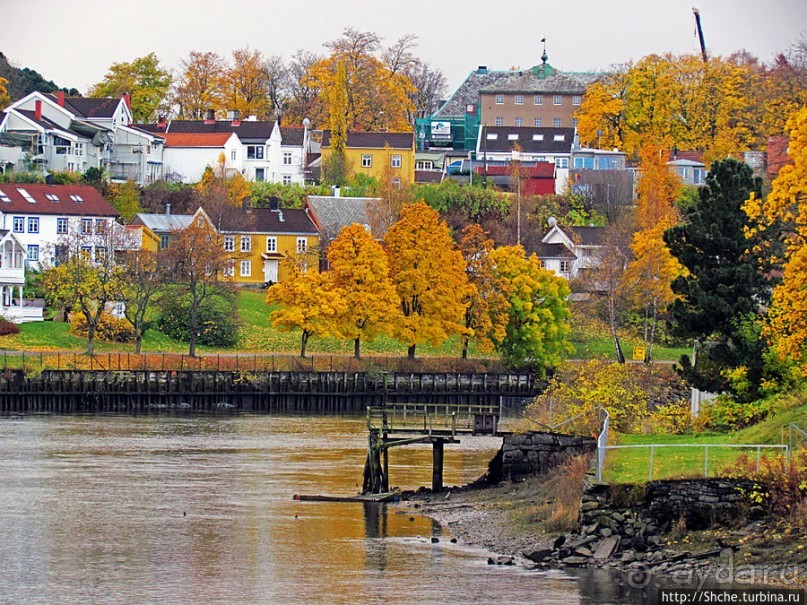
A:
x: 465, y: 348
x: 193, y: 328
x: 357, y: 347
x: 138, y: 342
x: 411, y: 352
x: 649, y: 355
x: 303, y: 342
x: 620, y: 357
x: 90, y: 340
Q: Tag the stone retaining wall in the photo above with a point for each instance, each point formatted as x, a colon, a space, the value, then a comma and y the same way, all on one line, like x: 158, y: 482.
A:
x: 535, y: 453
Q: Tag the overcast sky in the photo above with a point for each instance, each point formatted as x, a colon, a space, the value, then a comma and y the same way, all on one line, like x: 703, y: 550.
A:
x: 73, y: 42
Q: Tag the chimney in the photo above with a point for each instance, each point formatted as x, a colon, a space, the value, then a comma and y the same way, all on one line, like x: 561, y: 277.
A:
x: 60, y: 98
x: 335, y: 191
x: 211, y: 116
x: 127, y: 98
x: 161, y: 123
x: 274, y: 203
x: 235, y: 116
x: 38, y: 109
x: 168, y: 208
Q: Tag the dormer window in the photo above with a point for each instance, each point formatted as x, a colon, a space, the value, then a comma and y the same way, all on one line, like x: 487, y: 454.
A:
x: 559, y: 137
x: 492, y: 136
x: 27, y: 196
x: 4, y: 197
x: 52, y: 197
x: 537, y: 137
x: 76, y: 198
x: 512, y: 137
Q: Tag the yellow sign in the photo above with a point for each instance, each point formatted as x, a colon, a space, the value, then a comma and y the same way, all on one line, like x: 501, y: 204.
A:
x: 638, y: 353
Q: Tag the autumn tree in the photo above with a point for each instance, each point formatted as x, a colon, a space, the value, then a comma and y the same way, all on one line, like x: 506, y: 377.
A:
x: 377, y: 98
x: 307, y: 301
x: 537, y: 328
x: 486, y: 310
x: 144, y: 279
x: 360, y: 273
x: 723, y: 287
x: 428, y: 273
x: 785, y: 212
x: 651, y: 272
x: 302, y: 93
x: 246, y: 84
x: 5, y: 99
x: 127, y: 201
x: 144, y: 79
x: 335, y: 166
x: 86, y: 277
x: 194, y: 264
x: 199, y: 85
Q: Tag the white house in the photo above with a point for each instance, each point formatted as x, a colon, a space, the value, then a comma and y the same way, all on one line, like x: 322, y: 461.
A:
x: 72, y: 133
x: 46, y: 219
x: 12, y: 280
x: 258, y: 150
x: 570, y: 251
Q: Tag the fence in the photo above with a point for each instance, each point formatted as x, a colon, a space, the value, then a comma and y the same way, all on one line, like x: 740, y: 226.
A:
x: 34, y: 362
x: 795, y: 435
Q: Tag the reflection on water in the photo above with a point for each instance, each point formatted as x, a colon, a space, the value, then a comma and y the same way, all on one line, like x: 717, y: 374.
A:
x: 201, y: 510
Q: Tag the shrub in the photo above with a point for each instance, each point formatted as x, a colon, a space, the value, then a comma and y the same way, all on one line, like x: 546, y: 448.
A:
x: 110, y: 328
x: 785, y: 479
x: 671, y: 418
x: 8, y: 327
x: 727, y: 414
x: 218, y: 321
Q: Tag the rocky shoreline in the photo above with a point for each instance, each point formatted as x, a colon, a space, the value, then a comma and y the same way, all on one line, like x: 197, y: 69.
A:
x: 501, y: 520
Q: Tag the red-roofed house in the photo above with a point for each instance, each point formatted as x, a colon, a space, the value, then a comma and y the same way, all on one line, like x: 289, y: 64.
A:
x: 187, y: 155
x: 43, y: 217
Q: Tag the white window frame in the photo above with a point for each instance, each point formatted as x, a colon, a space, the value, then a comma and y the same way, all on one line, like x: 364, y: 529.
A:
x: 229, y: 269
x: 232, y: 154
x: 518, y: 122
x: 557, y: 100
x: 258, y: 152
x: 33, y: 224
x: 86, y: 226
x: 396, y: 160
x: 286, y: 179
x: 229, y: 243
x: 367, y: 160
x: 33, y: 253
x: 287, y: 158
x: 519, y: 99
x: 565, y: 266
x: 577, y: 100
x: 271, y: 243
x: 246, y: 268
x: 246, y: 243
x: 557, y: 122
x: 62, y: 226
x: 538, y: 100
x: 498, y: 121
x: 537, y: 122
x: 302, y: 245
x: 499, y: 99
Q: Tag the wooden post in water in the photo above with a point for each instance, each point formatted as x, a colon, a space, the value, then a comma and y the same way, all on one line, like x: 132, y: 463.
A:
x: 437, y: 465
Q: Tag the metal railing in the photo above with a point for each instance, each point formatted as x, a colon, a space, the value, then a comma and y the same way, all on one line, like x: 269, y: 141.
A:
x: 602, y: 443
x: 796, y: 431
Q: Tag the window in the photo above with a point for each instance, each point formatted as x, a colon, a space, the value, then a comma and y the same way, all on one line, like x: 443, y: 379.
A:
x: 574, y: 122
x: 200, y: 221
x: 512, y: 137
x: 366, y: 160
x: 286, y: 179
x: 395, y: 182
x: 557, y: 100
x: 246, y: 268
x: 424, y: 165
x: 287, y: 158
x: 562, y: 162
x: 246, y: 243
x: 4, y: 197
x: 33, y: 253
x: 61, y: 226
x: 259, y: 174
x: 232, y: 155
x: 229, y: 243
x: 19, y: 224
x: 52, y: 197
x: 537, y: 137
x: 492, y: 136
x: 539, y: 99
x: 33, y: 224
x: 100, y: 226
x: 518, y: 122
x: 565, y: 266
x: 395, y: 160
x: 519, y: 99
x: 537, y: 122
x: 499, y: 99
x: 302, y: 244
x: 556, y: 122
x: 76, y: 198
x: 27, y: 196
x: 254, y: 152
x: 100, y: 254
x: 79, y: 149
x: 86, y: 226
x: 86, y: 252
x: 577, y: 100
x: 229, y: 269
x: 499, y: 121
x: 271, y: 244
x: 165, y: 239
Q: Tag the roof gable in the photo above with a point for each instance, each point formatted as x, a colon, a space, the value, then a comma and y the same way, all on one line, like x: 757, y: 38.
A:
x: 374, y: 140
x: 196, y: 139
x: 504, y: 139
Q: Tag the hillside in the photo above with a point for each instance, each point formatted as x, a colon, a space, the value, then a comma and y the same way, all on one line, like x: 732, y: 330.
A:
x: 23, y: 81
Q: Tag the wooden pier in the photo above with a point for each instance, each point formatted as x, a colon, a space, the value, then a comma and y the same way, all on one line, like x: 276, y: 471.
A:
x: 395, y: 425
x: 171, y: 391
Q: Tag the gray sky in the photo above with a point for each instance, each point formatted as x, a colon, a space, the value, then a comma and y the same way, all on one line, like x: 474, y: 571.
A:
x: 73, y: 42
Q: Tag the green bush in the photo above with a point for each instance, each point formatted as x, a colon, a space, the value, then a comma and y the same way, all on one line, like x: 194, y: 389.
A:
x: 218, y: 320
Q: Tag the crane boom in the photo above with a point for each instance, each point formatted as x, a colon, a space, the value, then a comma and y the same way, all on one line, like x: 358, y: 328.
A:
x: 700, y: 33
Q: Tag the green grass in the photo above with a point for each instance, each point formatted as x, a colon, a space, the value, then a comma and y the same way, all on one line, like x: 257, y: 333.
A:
x: 602, y: 347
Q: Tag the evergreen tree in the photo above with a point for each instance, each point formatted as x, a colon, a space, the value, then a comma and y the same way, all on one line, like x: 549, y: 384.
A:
x: 720, y: 297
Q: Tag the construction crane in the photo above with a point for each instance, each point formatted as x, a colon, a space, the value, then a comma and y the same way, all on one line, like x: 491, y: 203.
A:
x: 700, y: 33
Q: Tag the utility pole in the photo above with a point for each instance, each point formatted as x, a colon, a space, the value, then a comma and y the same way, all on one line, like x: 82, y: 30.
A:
x: 700, y: 33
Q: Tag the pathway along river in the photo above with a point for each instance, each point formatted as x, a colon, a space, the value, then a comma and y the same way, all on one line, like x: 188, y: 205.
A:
x: 200, y: 510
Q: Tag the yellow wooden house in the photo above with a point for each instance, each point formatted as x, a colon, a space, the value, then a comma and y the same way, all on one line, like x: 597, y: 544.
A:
x: 260, y: 238
x: 380, y: 155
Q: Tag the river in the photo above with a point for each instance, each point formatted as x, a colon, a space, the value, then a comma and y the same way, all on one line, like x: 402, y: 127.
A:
x: 198, y: 510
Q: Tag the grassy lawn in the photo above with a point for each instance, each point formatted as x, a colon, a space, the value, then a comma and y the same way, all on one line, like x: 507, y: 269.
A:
x: 594, y: 346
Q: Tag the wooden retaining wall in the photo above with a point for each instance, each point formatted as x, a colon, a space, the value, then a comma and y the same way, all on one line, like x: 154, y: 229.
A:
x: 154, y: 392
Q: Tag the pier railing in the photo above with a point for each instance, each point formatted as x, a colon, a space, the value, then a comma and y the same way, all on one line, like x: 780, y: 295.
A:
x: 429, y: 418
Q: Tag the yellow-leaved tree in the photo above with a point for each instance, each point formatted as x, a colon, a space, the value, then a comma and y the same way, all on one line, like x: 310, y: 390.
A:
x: 428, y: 273
x: 649, y: 275
x: 5, y: 99
x: 786, y: 209
x: 360, y: 272
x: 307, y: 301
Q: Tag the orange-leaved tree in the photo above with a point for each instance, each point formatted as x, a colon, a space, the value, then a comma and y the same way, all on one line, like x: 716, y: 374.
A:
x: 360, y: 272
x: 487, y: 311
x: 429, y: 277
x: 307, y: 301
x: 785, y: 209
x: 649, y: 275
